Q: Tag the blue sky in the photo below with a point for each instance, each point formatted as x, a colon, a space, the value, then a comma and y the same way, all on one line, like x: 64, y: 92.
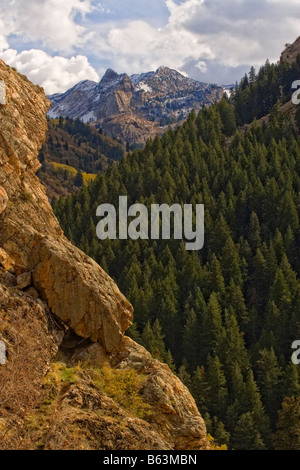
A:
x: 58, y: 43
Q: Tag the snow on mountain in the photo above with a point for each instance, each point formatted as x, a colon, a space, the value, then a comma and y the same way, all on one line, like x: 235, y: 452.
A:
x: 136, y: 107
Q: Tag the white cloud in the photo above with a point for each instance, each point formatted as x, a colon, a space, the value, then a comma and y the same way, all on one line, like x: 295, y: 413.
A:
x: 138, y: 47
x: 212, y: 40
x: 3, y: 42
x: 54, y: 74
x: 207, y: 38
x: 3, y: 31
x: 54, y: 25
x: 238, y: 31
x: 202, y: 66
x: 52, y: 22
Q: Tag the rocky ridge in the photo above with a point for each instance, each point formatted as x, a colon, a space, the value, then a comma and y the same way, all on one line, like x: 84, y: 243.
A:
x: 135, y: 108
x: 63, y: 322
x: 291, y: 52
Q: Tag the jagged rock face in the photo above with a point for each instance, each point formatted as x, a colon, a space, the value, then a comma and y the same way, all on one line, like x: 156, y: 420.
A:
x: 175, y: 413
x: 50, y: 289
x: 137, y: 107
x: 3, y: 199
x: 291, y: 52
x: 31, y: 342
x: 76, y: 289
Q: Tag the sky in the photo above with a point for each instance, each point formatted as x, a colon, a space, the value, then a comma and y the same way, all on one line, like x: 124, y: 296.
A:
x: 58, y: 43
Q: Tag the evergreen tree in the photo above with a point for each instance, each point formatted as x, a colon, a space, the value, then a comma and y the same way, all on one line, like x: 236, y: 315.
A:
x: 225, y: 317
x: 218, y: 431
x: 217, y: 397
x: 246, y: 436
x: 269, y: 374
x: 79, y: 179
x: 287, y: 436
x: 190, y: 347
x: 212, y: 327
x: 252, y: 403
x: 291, y: 381
x: 232, y: 348
x: 200, y: 389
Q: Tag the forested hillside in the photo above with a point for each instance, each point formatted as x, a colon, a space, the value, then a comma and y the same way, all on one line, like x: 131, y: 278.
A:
x: 258, y: 92
x: 223, y: 318
x: 73, y: 153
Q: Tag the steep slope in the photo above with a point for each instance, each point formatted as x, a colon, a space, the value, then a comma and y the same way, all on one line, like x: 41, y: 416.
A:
x: 135, y: 108
x: 291, y: 52
x: 73, y: 146
x: 228, y: 314
x: 259, y: 92
x: 63, y: 319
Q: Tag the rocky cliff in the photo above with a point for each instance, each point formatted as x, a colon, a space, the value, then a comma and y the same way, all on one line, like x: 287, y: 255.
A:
x: 135, y: 108
x: 72, y: 379
x: 291, y: 52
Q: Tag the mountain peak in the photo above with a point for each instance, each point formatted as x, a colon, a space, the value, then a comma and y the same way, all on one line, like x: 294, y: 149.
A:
x: 109, y: 76
x: 134, y: 108
x: 167, y: 71
x: 291, y: 52
x: 164, y: 69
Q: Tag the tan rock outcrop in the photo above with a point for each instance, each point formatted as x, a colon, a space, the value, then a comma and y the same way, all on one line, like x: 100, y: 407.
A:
x: 3, y: 199
x: 31, y: 339
x: 49, y: 288
x: 291, y: 52
x: 174, y: 411
x: 76, y: 289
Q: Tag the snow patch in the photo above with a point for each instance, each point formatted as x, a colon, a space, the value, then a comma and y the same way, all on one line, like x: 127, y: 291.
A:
x: 89, y: 117
x: 52, y: 114
x: 142, y: 77
x: 228, y: 90
x: 143, y: 86
x: 85, y: 85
